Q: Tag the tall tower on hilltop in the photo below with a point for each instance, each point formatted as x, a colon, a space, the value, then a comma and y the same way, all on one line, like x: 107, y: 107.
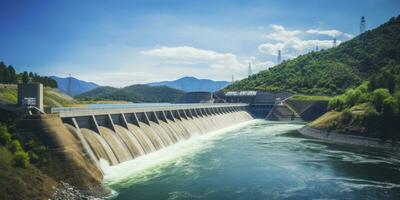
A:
x: 249, y: 70
x: 334, y: 42
x: 233, y: 78
x: 363, y: 25
x: 279, y: 57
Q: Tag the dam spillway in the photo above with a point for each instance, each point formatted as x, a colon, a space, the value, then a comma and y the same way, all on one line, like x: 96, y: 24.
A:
x: 121, y: 134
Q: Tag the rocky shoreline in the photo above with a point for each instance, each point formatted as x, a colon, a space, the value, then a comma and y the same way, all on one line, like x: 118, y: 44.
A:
x: 332, y: 136
x: 66, y: 191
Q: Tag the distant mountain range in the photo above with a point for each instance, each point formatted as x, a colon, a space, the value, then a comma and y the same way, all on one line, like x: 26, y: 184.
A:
x: 192, y: 84
x: 77, y: 86
x: 134, y: 93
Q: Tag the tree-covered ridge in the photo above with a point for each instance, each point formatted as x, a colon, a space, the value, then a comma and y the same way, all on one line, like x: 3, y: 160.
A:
x: 333, y: 70
x: 8, y: 75
x: 134, y: 93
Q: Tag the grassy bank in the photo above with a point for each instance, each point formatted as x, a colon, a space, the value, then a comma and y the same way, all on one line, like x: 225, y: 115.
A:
x: 309, y: 98
x: 364, y: 111
x: 52, y: 96
x: 37, y: 153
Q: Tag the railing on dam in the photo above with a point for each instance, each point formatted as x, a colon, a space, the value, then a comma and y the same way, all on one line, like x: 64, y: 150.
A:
x: 129, y: 108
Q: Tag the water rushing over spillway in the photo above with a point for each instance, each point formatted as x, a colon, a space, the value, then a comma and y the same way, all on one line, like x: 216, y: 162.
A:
x: 110, y: 141
x: 258, y: 160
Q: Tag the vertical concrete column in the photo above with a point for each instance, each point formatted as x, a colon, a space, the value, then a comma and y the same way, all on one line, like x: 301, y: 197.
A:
x: 168, y: 114
x: 188, y: 113
x: 213, y: 111
x: 135, y: 119
x: 110, y: 122
x: 209, y: 111
x: 94, y: 125
x: 202, y: 112
x: 146, y: 119
x: 151, y: 116
x: 176, y: 114
x: 182, y: 114
x: 123, y: 121
x: 194, y: 113
x: 161, y: 116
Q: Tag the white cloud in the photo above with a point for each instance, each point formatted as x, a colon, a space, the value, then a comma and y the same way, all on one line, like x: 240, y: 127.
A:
x: 292, y: 44
x: 189, y: 55
x: 349, y: 36
x: 281, y: 34
x: 331, y: 33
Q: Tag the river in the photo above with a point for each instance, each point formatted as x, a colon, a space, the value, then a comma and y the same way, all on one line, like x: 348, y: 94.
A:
x: 258, y: 160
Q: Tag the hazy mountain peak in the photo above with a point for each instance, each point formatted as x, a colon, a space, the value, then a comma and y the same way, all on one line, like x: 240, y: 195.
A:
x: 193, y: 84
x: 77, y: 86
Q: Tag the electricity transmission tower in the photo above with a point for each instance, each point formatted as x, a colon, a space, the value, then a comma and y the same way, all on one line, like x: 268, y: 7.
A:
x: 249, y: 70
x: 69, y: 85
x: 363, y: 25
x: 279, y: 57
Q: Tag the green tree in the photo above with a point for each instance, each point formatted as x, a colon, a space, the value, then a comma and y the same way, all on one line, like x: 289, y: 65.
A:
x: 15, y: 146
x: 337, y: 103
x: 21, y: 159
x: 2, y: 69
x: 5, y: 136
x: 389, y: 107
x: 378, y: 96
x: 352, y: 96
x: 25, y: 77
x: 13, y: 75
x: 346, y: 116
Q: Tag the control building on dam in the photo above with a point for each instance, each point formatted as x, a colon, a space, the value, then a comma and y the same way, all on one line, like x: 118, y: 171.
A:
x: 121, y: 134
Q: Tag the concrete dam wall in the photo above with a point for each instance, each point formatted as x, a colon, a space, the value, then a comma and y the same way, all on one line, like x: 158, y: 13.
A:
x: 121, y: 134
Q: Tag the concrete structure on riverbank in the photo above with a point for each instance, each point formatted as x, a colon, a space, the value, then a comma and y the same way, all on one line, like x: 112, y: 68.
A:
x: 30, y: 95
x: 260, y: 102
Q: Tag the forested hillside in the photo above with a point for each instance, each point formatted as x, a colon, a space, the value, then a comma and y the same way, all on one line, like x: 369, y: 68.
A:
x: 134, y: 93
x: 8, y: 75
x: 375, y: 53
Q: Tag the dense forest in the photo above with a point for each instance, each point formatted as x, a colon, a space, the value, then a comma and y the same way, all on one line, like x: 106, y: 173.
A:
x: 333, y: 70
x: 134, y: 93
x: 8, y: 75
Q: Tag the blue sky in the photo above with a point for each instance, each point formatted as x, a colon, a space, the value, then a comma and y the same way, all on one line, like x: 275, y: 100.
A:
x: 119, y: 43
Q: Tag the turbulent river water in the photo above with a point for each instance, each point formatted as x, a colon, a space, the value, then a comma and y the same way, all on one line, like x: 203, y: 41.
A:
x: 258, y: 160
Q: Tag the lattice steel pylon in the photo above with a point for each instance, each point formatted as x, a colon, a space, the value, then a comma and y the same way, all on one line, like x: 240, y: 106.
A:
x: 363, y: 25
x: 249, y: 70
x: 279, y: 57
x: 69, y: 85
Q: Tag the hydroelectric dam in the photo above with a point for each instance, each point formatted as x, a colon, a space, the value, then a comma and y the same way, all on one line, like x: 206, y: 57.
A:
x: 125, y: 133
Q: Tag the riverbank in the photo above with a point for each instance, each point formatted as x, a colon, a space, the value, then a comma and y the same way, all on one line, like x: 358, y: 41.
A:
x: 331, y: 136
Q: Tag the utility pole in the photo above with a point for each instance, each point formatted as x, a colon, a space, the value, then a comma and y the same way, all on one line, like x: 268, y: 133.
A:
x: 249, y: 70
x: 69, y: 85
x: 363, y: 25
x: 279, y: 57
